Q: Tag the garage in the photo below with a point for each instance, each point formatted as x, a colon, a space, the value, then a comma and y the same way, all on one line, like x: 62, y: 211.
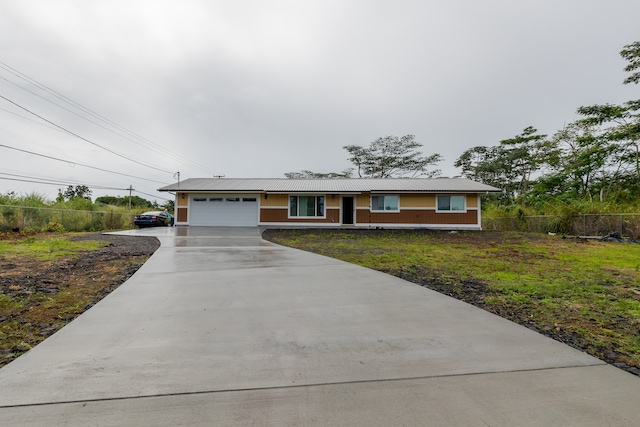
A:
x: 224, y: 210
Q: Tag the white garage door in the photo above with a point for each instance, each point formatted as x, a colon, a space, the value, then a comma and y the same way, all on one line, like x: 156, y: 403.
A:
x: 225, y: 211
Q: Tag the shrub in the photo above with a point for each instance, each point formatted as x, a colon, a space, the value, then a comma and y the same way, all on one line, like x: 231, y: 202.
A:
x: 53, y: 227
x: 116, y: 220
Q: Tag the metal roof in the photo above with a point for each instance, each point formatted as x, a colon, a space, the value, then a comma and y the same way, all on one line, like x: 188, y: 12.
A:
x: 333, y: 185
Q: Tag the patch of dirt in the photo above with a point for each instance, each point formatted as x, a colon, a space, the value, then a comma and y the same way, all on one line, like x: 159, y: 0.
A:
x: 43, y: 296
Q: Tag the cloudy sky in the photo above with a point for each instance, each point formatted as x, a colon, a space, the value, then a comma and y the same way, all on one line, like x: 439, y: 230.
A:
x: 259, y: 88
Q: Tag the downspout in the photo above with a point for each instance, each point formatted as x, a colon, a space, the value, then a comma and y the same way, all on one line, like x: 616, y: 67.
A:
x: 480, y: 210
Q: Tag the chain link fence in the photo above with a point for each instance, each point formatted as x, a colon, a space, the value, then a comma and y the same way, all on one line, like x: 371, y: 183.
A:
x: 627, y: 225
x: 27, y: 218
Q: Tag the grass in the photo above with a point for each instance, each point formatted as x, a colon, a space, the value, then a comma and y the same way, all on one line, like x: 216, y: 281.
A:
x: 584, y: 293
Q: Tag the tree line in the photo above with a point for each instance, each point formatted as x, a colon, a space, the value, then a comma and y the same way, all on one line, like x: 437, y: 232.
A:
x: 595, y: 158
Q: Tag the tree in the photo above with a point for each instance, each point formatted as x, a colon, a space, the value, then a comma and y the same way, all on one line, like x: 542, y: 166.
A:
x: 492, y: 166
x: 619, y: 124
x: 391, y: 156
x: 631, y: 53
x: 528, y: 153
x: 79, y: 192
x: 307, y: 174
x: 581, y: 166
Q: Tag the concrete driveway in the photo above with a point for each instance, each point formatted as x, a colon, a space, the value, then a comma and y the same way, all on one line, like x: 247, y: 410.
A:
x: 220, y: 327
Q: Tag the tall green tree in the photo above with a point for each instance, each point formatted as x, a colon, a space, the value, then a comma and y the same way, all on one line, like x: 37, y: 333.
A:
x: 631, y: 53
x: 527, y: 153
x: 619, y: 124
x: 77, y: 192
x: 492, y: 166
x: 580, y: 167
x: 391, y: 156
x: 597, y: 156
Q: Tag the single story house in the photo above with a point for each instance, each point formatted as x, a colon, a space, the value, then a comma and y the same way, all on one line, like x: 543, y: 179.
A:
x: 438, y: 203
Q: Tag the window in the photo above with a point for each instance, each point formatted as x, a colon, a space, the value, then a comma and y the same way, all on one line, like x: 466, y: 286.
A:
x: 199, y: 199
x: 451, y: 203
x: 215, y: 199
x: 385, y: 203
x: 233, y: 199
x: 309, y: 206
x: 249, y: 199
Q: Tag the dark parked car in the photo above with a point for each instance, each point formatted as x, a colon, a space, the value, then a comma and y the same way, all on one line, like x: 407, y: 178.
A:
x: 152, y: 219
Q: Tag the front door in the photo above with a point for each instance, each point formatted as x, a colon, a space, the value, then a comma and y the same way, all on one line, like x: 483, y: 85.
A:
x: 347, y: 210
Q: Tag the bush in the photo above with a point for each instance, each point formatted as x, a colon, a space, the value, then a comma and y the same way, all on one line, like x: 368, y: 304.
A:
x: 53, y: 227
x: 116, y: 221
x: 94, y: 222
x: 9, y: 216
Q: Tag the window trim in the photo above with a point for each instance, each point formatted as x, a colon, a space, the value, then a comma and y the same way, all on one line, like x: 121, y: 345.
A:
x: 324, y: 206
x: 397, y: 196
x: 464, y: 203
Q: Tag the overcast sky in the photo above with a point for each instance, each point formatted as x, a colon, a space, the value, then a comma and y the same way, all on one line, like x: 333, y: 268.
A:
x: 260, y: 88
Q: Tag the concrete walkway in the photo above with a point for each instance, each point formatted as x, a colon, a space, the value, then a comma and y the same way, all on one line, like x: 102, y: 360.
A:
x: 220, y: 327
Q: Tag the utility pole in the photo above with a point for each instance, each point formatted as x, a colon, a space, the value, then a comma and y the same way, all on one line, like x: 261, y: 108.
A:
x: 130, y: 190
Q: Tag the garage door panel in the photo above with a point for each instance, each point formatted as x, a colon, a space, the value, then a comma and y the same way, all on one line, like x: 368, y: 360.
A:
x: 215, y: 210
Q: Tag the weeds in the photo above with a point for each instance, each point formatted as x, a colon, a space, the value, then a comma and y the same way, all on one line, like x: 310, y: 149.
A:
x: 46, y: 248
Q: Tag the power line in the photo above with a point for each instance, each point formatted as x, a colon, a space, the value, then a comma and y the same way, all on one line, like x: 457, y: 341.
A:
x: 48, y: 181
x: 58, y: 183
x: 156, y: 147
x: 80, y: 164
x: 31, y: 120
x: 85, y: 139
x: 151, y: 195
x: 55, y: 181
x: 46, y: 147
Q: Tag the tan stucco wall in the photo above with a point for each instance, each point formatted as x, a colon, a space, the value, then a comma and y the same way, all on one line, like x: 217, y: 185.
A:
x: 472, y: 200
x: 332, y: 203
x: 183, y: 201
x: 282, y: 200
x: 417, y: 201
x: 275, y: 200
x: 362, y: 200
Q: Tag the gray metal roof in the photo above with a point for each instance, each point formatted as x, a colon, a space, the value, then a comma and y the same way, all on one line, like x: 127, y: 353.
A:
x: 339, y: 185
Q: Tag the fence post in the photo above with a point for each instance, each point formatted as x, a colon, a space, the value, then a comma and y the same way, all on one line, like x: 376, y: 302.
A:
x: 584, y: 224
